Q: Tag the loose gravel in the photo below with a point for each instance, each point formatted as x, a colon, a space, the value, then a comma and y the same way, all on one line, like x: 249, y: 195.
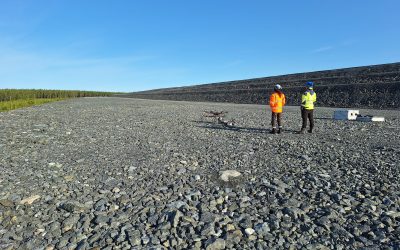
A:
x: 115, y: 173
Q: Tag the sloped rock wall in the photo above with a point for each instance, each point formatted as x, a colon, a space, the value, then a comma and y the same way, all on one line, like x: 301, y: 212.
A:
x: 371, y: 86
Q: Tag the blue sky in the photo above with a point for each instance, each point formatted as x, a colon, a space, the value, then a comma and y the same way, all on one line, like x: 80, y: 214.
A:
x: 138, y: 45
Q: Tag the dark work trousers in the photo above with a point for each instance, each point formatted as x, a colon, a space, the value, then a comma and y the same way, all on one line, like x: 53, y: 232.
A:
x: 274, y: 118
x: 307, y: 113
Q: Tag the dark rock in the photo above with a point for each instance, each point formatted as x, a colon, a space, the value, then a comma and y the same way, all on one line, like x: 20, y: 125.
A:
x: 175, y: 217
x: 101, y: 219
x: 207, y: 217
x: 207, y: 229
x: 262, y: 228
x: 69, y: 207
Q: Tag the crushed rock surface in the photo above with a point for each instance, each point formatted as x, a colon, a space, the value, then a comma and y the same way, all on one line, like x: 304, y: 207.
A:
x: 115, y: 173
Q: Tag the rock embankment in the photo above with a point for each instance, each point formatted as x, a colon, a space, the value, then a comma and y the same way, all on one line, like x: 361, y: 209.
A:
x: 118, y: 173
x: 375, y: 86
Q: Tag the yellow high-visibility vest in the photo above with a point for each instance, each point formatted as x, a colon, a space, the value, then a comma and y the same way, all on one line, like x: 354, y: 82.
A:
x: 308, y: 99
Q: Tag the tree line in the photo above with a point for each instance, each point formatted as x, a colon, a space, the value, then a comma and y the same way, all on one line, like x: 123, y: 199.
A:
x: 20, y: 94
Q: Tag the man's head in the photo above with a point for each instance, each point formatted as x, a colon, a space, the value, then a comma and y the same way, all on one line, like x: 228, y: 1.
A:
x: 278, y: 87
x: 309, y: 85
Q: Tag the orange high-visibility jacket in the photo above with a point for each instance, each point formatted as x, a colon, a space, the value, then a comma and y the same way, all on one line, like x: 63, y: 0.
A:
x: 277, y: 101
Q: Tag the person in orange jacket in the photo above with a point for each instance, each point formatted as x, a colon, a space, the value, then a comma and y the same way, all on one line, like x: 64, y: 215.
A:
x: 276, y: 101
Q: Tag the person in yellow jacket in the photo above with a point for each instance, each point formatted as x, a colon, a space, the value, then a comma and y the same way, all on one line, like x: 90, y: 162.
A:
x: 276, y: 101
x: 308, y: 99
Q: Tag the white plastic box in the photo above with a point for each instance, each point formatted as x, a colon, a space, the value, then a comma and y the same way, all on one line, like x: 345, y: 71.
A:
x: 346, y: 114
x: 370, y: 119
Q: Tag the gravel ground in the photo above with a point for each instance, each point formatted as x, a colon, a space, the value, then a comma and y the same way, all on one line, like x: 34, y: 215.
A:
x: 116, y: 173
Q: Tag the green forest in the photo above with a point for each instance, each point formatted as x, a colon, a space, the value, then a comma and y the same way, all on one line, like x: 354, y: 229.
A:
x: 17, y: 98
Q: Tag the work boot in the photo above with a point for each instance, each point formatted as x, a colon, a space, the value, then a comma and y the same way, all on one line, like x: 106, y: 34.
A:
x: 279, y: 130
x: 273, y: 131
x: 309, y: 131
x: 302, y: 131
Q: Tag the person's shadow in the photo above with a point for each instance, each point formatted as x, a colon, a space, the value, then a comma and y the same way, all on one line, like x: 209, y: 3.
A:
x: 213, y: 125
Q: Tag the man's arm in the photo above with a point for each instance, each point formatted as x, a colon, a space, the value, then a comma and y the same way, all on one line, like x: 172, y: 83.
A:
x: 272, y: 101
x: 303, y: 99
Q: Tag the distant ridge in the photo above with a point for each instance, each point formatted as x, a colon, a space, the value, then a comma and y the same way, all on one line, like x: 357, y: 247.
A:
x: 375, y: 86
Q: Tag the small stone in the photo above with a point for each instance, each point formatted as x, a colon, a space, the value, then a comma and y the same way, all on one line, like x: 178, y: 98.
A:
x: 114, y: 207
x: 215, y: 244
x: 29, y: 200
x: 69, y: 223
x: 207, y: 217
x: 69, y: 207
x: 62, y: 243
x: 290, y: 212
x: 134, y: 237
x: 252, y: 237
x: 261, y: 194
x: 336, y: 197
x: 116, y: 190
x: 197, y: 245
x: 220, y: 200
x: 69, y: 177
x: 188, y: 219
x: 393, y: 214
x: 246, y: 222
x: 99, y: 205
x: 55, y: 164
x: 154, y: 240
x: 175, y: 217
x: 166, y: 244
x: 230, y: 227
x: 101, y: 220
x: 145, y: 240
x: 323, y: 222
x: 233, y: 237
x: 6, y: 203
x: 177, y: 204
x: 181, y: 171
x: 82, y: 245
x: 207, y: 230
x: 262, y: 229
x: 249, y: 231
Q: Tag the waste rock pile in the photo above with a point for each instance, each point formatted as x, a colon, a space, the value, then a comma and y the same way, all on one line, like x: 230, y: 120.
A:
x: 122, y: 173
x: 376, y: 86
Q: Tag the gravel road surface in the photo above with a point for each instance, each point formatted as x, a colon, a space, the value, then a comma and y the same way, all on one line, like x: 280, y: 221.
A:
x: 120, y: 173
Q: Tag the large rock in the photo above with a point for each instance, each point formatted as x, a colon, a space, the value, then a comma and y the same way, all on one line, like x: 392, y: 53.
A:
x: 229, y: 174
